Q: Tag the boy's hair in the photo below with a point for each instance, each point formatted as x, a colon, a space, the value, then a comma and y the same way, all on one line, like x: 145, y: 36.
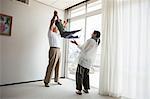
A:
x: 55, y: 13
x: 98, y: 34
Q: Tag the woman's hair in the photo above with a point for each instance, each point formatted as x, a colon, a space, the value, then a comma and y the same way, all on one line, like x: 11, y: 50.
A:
x: 98, y: 34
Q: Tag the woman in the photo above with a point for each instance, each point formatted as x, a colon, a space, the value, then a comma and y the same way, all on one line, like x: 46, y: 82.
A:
x: 86, y: 59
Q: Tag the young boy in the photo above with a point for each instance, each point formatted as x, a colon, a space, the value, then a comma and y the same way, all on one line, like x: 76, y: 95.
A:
x: 61, y: 27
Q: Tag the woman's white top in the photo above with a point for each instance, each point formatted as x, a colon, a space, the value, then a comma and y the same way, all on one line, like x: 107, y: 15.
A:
x: 88, y: 53
x: 54, y: 39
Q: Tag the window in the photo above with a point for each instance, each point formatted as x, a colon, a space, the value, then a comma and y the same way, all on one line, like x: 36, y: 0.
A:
x: 78, y: 11
x: 83, y: 17
x: 94, y: 6
x: 74, y: 51
x: 94, y: 23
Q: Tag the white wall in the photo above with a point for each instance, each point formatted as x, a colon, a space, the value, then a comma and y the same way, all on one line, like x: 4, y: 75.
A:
x: 25, y: 52
x: 0, y: 60
x: 0, y: 63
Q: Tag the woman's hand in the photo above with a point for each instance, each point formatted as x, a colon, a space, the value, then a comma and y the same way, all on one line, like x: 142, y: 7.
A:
x: 74, y: 42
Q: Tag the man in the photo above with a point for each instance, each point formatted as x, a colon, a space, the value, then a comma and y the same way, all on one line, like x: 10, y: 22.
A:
x: 86, y: 59
x: 54, y: 53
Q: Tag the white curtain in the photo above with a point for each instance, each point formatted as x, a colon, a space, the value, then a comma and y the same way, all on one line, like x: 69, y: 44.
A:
x: 125, y: 59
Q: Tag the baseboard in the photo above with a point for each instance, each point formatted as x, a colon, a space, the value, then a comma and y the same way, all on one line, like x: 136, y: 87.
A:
x: 62, y: 77
x: 20, y: 83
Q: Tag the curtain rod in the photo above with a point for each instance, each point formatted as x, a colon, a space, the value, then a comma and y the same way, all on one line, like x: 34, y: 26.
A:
x: 77, y: 4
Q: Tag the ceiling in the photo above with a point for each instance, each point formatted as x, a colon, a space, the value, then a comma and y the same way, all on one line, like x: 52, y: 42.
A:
x: 60, y: 4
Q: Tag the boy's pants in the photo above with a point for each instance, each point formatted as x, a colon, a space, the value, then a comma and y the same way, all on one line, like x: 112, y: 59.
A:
x: 63, y: 33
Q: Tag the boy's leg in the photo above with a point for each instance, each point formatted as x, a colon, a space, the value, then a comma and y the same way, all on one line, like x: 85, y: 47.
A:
x: 65, y: 34
x: 71, y: 36
x: 69, y: 33
x: 61, y: 29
